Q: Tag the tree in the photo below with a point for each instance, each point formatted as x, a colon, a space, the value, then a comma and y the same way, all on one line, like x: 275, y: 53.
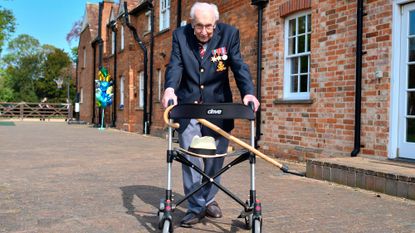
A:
x: 6, y: 93
x: 7, y: 25
x: 75, y: 32
x: 73, y: 35
x: 74, y: 54
x: 55, y: 66
x: 31, y: 71
x: 23, y: 66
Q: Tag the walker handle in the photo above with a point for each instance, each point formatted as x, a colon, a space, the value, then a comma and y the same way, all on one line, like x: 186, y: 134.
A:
x: 170, y: 102
x: 251, y: 105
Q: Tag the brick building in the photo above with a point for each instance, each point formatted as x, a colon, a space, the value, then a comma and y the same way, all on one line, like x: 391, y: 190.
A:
x: 320, y: 88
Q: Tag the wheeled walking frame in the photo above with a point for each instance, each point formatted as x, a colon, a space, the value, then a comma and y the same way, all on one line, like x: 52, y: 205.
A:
x: 251, y: 207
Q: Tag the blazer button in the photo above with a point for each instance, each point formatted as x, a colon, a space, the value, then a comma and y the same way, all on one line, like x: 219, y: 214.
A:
x: 202, y: 70
x: 201, y: 87
x: 195, y: 102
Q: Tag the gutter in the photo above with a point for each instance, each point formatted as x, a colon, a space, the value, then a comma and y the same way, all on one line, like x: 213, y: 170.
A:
x: 93, y: 83
x: 143, y: 47
x: 114, y: 107
x: 98, y: 40
x: 358, y: 88
x: 179, y: 13
x: 151, y: 8
x: 261, y: 4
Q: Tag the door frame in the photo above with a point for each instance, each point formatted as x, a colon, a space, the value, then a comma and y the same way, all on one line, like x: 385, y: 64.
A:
x: 395, y: 71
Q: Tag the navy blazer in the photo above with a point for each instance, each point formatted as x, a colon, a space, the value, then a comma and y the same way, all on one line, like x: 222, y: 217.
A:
x: 206, y: 80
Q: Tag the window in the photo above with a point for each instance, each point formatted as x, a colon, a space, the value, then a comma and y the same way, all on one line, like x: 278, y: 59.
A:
x: 164, y: 14
x: 160, y: 85
x: 297, y: 56
x: 122, y: 38
x: 141, y: 90
x: 81, y: 96
x: 122, y: 80
x: 148, y: 16
x: 112, y: 42
x: 84, y: 63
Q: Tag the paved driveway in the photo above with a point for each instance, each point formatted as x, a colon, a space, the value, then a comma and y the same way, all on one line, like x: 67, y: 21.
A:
x: 56, y: 177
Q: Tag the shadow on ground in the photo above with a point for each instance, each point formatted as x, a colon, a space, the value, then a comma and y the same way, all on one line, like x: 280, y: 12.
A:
x: 150, y: 195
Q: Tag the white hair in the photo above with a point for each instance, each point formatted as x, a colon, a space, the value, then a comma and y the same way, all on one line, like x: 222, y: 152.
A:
x: 204, y: 6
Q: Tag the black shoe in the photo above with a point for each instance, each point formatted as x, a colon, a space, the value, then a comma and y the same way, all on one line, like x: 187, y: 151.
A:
x: 213, y: 210
x: 191, y: 219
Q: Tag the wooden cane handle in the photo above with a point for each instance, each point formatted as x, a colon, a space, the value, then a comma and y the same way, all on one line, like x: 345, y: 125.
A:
x: 166, y: 118
x: 239, y: 142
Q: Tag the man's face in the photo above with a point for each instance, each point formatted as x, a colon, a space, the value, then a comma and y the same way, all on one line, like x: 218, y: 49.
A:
x: 204, y: 25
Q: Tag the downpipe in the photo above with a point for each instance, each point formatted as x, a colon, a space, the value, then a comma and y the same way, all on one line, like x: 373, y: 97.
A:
x: 358, y: 88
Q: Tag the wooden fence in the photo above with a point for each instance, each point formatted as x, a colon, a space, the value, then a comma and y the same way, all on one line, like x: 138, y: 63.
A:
x: 35, y: 110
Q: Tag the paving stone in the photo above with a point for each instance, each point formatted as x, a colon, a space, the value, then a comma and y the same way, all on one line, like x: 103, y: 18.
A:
x: 56, y: 177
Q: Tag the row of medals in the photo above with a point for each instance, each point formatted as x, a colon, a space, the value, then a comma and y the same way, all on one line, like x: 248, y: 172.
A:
x: 219, y: 59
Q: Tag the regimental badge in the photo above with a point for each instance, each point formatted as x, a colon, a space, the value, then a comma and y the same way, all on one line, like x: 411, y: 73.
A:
x: 221, y: 67
x: 219, y: 55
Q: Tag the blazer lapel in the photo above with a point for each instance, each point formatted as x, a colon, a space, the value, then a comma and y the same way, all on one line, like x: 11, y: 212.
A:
x: 195, y: 49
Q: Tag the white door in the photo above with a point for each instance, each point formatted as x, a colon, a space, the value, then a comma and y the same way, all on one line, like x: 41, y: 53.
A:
x: 406, y: 133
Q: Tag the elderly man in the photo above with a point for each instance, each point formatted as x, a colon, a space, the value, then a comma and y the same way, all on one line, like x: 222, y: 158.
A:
x: 202, y: 54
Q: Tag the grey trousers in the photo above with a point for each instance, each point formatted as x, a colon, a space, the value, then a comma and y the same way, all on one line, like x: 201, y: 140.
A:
x: 191, y: 179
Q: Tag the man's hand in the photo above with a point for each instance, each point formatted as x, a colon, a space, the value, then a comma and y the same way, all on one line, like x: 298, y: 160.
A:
x: 248, y: 98
x: 169, y: 95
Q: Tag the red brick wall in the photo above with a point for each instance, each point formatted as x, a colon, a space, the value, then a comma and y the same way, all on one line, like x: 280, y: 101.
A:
x: 326, y: 127
x: 322, y: 128
x: 85, y: 76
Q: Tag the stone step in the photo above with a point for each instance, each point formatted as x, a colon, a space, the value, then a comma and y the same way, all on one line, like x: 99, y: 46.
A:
x: 396, y: 178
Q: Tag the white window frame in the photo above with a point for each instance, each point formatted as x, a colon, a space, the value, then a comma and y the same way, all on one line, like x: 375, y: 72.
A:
x: 141, y: 90
x: 148, y: 16
x: 288, y: 58
x: 122, y: 38
x: 122, y: 84
x: 397, y: 10
x: 81, y: 96
x: 159, y: 76
x: 112, y: 42
x: 84, y: 62
x: 164, y: 19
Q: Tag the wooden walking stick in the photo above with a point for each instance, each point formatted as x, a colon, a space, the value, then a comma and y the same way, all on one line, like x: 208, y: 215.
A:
x: 220, y: 131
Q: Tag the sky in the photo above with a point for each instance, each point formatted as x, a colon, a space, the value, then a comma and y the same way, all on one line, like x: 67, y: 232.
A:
x: 48, y: 21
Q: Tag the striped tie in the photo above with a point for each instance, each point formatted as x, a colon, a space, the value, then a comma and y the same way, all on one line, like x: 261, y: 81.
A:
x: 201, y: 50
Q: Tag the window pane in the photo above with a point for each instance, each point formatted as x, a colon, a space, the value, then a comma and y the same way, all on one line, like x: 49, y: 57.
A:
x: 294, y: 83
x: 301, y: 44
x: 301, y: 24
x: 304, y: 83
x: 291, y: 46
x: 308, y: 23
x: 411, y: 103
x: 411, y: 51
x: 411, y: 76
x: 292, y: 30
x: 294, y: 65
x: 308, y: 42
x: 304, y: 64
x: 410, y: 130
x: 411, y: 22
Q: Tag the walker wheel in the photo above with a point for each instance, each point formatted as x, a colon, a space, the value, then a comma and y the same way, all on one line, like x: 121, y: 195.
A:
x: 167, y: 226
x: 257, y: 226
